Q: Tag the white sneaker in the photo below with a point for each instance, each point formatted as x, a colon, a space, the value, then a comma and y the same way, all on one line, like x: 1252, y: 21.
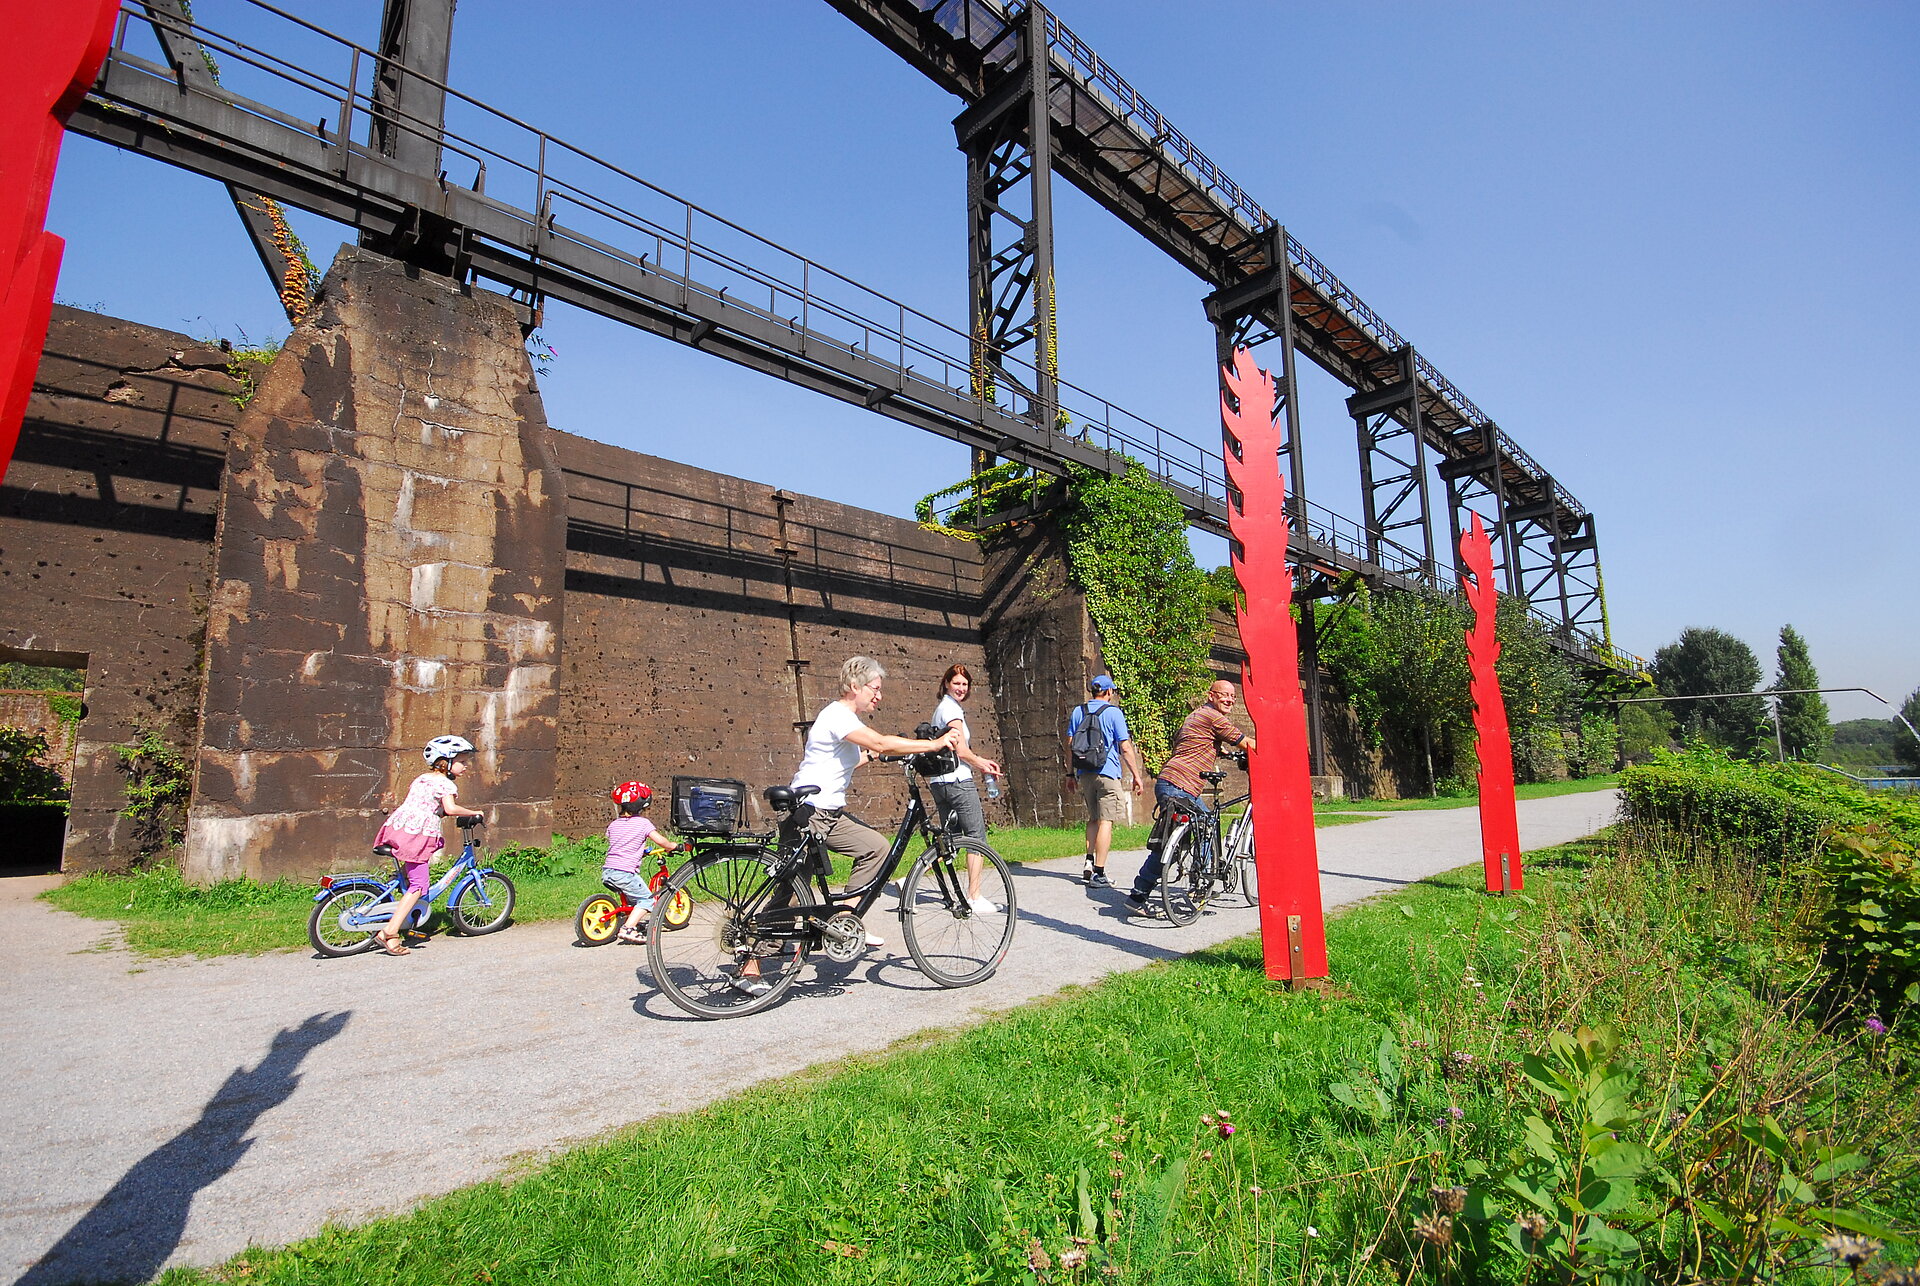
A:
x: 875, y: 940
x: 981, y: 906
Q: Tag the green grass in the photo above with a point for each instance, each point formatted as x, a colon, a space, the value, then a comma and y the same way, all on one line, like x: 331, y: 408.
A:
x: 943, y: 1159
x: 162, y: 915
x: 1531, y: 790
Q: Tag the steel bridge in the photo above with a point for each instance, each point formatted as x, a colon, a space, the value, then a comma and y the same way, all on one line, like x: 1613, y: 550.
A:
x: 442, y: 180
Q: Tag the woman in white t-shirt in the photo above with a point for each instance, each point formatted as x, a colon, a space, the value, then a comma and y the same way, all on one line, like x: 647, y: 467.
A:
x: 954, y: 794
x: 833, y: 751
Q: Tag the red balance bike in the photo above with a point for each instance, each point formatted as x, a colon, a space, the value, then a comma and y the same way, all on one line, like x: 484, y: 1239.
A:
x: 599, y: 918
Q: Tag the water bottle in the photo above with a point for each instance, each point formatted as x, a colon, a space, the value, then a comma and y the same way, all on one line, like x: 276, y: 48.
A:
x: 993, y: 786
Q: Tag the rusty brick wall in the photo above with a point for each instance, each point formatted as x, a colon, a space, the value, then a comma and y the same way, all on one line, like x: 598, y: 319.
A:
x: 388, y: 569
x: 32, y: 711
x: 106, y: 533
x: 1041, y: 651
x: 707, y: 618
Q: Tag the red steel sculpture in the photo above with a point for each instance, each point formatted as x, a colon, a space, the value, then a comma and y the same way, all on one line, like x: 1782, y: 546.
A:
x: 53, y: 51
x: 1292, y: 927
x: 1499, y: 824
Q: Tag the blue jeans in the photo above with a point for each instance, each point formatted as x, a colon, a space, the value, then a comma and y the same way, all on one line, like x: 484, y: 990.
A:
x: 1167, y: 799
x: 632, y: 885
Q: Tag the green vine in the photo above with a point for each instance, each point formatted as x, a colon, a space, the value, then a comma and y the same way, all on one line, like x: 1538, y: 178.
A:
x: 1127, y: 550
x: 159, y: 781
x: 994, y: 490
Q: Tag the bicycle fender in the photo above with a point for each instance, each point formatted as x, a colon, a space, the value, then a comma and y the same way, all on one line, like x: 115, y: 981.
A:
x: 349, y: 882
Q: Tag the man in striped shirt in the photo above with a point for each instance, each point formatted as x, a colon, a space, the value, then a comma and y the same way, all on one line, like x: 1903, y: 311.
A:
x: 1195, y: 746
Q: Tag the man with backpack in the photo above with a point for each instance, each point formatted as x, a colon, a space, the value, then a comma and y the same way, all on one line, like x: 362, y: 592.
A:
x: 1098, y: 745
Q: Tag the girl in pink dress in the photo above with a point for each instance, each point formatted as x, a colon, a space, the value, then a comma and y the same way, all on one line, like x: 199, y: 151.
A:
x: 412, y: 832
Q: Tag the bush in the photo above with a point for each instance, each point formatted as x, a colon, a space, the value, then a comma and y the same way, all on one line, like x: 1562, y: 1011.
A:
x: 563, y: 857
x: 24, y: 778
x: 1860, y: 845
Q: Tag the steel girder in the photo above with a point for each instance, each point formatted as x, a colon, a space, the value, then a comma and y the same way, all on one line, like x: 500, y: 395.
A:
x: 1475, y: 484
x: 1393, y: 458
x: 1008, y: 143
x: 1111, y: 143
x: 1239, y: 321
x: 409, y: 110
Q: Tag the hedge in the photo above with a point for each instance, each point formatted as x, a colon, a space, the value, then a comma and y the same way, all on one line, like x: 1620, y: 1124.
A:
x: 1860, y: 844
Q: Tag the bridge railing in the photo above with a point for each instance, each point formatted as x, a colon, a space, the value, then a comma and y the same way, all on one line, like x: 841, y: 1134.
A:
x: 531, y: 177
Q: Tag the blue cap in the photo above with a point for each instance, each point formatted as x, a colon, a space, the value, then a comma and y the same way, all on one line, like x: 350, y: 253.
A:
x: 1101, y: 683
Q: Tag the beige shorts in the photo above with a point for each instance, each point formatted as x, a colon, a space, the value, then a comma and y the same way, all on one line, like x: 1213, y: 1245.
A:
x: 1105, y: 797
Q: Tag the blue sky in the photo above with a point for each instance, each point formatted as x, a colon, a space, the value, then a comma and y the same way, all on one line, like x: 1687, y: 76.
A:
x: 1669, y: 247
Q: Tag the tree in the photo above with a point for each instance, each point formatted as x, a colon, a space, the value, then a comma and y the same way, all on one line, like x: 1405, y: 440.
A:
x: 1709, y: 660
x: 1909, y: 746
x: 1806, y: 730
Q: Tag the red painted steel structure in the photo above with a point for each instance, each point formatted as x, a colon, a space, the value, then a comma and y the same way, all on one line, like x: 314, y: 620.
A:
x: 1499, y: 823
x: 1292, y: 924
x: 53, y: 53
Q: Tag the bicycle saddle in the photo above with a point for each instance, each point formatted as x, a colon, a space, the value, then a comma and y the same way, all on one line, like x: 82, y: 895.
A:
x: 1215, y: 777
x: 383, y: 850
x: 784, y: 799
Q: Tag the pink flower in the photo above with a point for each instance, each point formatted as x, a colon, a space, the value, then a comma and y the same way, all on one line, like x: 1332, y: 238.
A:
x: 1226, y: 1130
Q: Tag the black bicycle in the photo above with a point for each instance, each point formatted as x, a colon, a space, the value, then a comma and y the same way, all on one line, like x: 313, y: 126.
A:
x: 1202, y: 861
x: 757, y: 908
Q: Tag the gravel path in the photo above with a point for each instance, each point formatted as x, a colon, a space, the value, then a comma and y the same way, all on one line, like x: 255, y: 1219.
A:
x: 173, y: 1112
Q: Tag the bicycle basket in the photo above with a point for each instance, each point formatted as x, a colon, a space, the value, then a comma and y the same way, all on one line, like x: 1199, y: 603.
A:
x: 708, y: 805
x: 933, y: 763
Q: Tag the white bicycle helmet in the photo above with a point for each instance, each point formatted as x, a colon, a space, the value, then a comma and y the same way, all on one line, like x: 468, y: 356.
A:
x: 446, y: 748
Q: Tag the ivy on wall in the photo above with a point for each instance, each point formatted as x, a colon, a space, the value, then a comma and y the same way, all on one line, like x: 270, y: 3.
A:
x: 1127, y: 550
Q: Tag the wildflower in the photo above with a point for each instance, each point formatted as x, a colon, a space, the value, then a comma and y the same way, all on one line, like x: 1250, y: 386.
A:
x: 1533, y: 1226
x: 1455, y: 1113
x: 1226, y: 1130
x: 1890, y: 1276
x: 1116, y: 1194
x: 1850, y: 1250
x: 1116, y: 1173
x: 1875, y: 1026
x: 1448, y: 1201
x: 1206, y: 1156
x: 1312, y: 1231
x: 1037, y: 1257
x: 1436, y: 1230
x: 1222, y: 1113
x: 1462, y: 1057
x: 1072, y: 1259
x: 1119, y: 1156
x: 1256, y: 1189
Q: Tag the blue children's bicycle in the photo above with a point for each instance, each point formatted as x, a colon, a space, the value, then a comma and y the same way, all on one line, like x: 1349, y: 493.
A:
x: 350, y: 909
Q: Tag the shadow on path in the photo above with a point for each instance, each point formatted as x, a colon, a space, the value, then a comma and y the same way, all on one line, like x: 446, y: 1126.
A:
x: 131, y: 1231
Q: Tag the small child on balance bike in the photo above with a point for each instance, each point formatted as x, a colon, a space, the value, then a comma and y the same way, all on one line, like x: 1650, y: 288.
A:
x: 628, y: 837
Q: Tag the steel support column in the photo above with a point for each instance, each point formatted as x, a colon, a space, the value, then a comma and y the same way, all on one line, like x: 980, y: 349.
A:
x: 1393, y: 459
x: 1239, y: 314
x: 409, y: 119
x: 1581, y: 588
x: 1474, y: 483
x: 1533, y: 545
x: 1008, y: 141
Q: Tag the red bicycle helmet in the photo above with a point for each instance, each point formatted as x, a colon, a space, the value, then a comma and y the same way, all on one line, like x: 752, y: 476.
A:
x: 632, y: 792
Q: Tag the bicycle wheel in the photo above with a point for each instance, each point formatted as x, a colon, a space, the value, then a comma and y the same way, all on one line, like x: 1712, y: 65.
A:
x: 953, y: 943
x: 675, y: 911
x: 597, y: 920
x: 327, y: 927
x: 484, y: 905
x: 1177, y: 878
x: 704, y: 967
x: 1239, y: 855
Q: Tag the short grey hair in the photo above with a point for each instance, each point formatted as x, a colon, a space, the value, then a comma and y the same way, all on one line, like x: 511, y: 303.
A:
x: 858, y: 672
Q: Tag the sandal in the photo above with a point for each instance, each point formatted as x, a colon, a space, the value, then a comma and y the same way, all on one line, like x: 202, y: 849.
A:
x: 635, y: 935
x: 392, y: 944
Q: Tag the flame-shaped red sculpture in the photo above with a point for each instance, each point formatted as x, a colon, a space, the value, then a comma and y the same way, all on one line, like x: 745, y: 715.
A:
x: 53, y: 52
x: 1499, y: 824
x: 1292, y: 928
